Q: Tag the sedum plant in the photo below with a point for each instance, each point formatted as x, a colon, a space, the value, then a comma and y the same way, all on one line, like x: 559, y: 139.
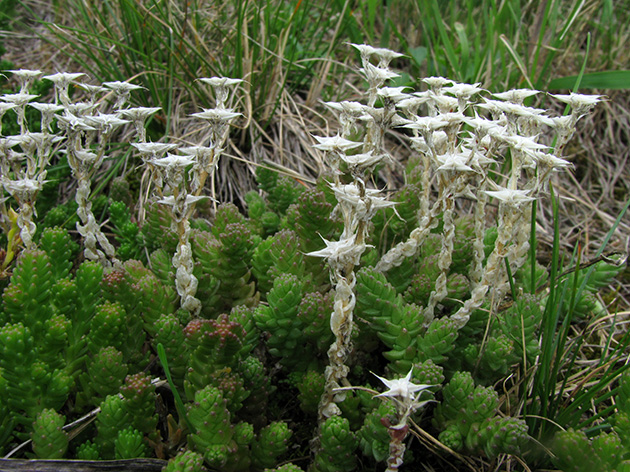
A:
x: 246, y: 338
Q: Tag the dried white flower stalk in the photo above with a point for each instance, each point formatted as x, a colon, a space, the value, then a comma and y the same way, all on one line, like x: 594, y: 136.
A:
x: 25, y: 192
x: 122, y: 91
x: 180, y: 204
x: 493, y: 275
x: 62, y: 81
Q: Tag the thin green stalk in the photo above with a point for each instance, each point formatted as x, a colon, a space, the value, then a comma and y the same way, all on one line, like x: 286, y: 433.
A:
x: 179, y: 404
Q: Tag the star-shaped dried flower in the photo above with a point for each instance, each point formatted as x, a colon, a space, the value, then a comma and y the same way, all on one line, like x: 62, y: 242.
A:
x: 517, y: 96
x: 220, y: 81
x: 335, y: 143
x: 403, y: 389
x: 154, y: 149
x: 436, y: 83
x: 579, y: 102
x: 511, y: 196
x: 216, y: 115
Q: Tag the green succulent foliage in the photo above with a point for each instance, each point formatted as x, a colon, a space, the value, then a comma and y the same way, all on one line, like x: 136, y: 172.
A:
x: 467, y: 417
x: 395, y: 323
x: 142, y: 294
x: 30, y: 385
x: 108, y: 327
x: 63, y: 215
x: 290, y: 467
x: 88, y: 451
x: 498, y: 435
x: 227, y: 257
x: 271, y: 443
x: 493, y: 359
x: 27, y: 298
x: 127, y: 233
x: 7, y: 417
x: 129, y: 444
x: 257, y: 382
x: 311, y: 387
x: 226, y: 214
x: 120, y: 191
x: 621, y: 425
x: 139, y: 395
x: 353, y: 407
x: 278, y: 254
x: 244, y: 436
x: 170, y: 333
x: 232, y: 386
x: 109, y: 420
x: 523, y: 277
x: 244, y: 316
x: 105, y: 373
x: 185, y: 461
x: 61, y: 250
x: 622, y: 399
x: 599, y: 275
x: 50, y: 441
x: 373, y: 436
x: 156, y: 229
x: 438, y: 341
x: 575, y: 452
x: 261, y: 219
x: 521, y: 323
x: 286, y: 338
x: 393, y: 225
x: 428, y: 373
x: 280, y: 191
x: 213, y: 346
x: 162, y: 266
x: 314, y: 314
x: 311, y: 218
x: 213, y: 436
x: 338, y: 444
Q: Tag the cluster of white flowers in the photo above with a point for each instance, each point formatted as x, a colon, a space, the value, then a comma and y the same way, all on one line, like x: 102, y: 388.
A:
x: 462, y: 136
x: 464, y: 133
x: 85, y: 130
x: 357, y: 203
x: 178, y: 179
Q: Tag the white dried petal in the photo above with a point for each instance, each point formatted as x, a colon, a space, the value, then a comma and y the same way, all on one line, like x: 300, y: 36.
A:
x: 517, y: 96
x: 335, y: 143
x: 403, y: 389
x: 220, y: 81
x: 394, y: 94
x: 454, y: 162
x: 122, y: 87
x: 154, y: 148
x: 139, y: 113
x: 427, y: 123
x: 63, y: 79
x: 23, y: 188
x: 351, y: 108
x: 511, y: 196
x: 217, y: 115
x: 46, y: 107
x: 19, y: 99
x: 190, y: 199
x: 462, y: 90
x: 105, y: 122
x: 436, y: 82
x: 580, y: 101
x: 365, y: 159
x: 173, y: 161
x: 380, y: 74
